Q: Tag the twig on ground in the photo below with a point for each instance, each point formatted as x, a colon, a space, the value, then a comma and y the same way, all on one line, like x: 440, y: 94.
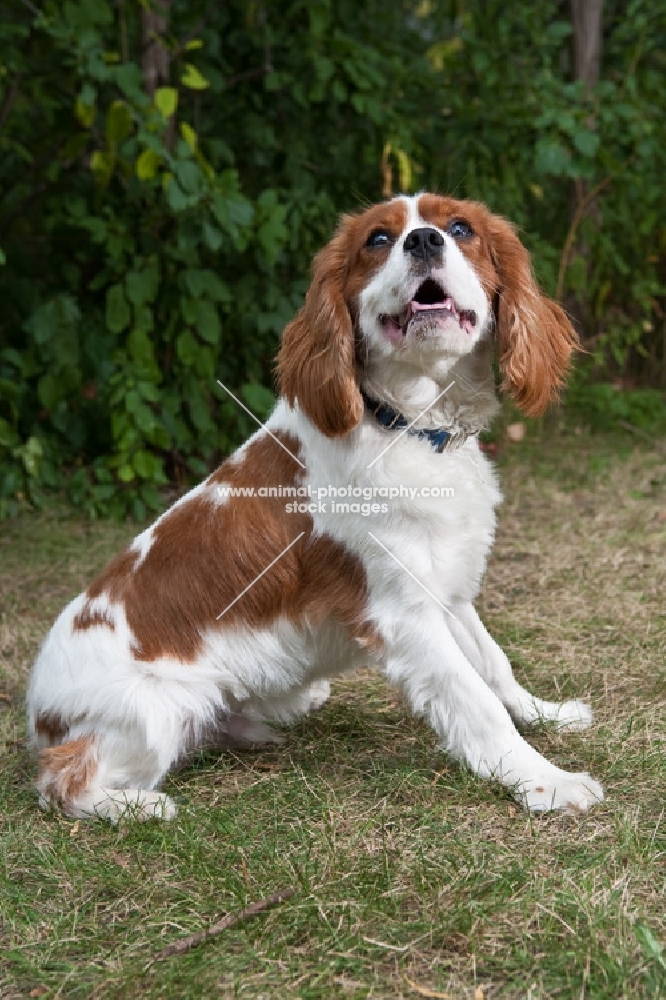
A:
x: 193, y: 940
x: 425, y: 992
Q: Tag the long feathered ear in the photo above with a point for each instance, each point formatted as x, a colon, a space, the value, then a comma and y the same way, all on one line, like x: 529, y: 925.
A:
x: 316, y: 363
x: 535, y: 337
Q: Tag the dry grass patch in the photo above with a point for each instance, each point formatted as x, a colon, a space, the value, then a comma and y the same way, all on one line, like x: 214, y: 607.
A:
x: 410, y: 874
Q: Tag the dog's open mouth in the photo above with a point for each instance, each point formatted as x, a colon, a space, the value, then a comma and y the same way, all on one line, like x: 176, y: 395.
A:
x: 429, y: 298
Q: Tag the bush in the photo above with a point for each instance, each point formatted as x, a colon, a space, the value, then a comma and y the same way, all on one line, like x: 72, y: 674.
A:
x: 156, y: 237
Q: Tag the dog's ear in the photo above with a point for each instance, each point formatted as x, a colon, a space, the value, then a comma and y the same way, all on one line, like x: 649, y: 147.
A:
x: 316, y: 364
x: 535, y: 337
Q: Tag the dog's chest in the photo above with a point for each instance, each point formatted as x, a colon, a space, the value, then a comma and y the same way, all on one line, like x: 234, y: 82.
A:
x: 418, y: 512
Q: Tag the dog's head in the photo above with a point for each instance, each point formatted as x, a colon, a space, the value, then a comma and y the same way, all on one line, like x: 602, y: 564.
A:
x: 417, y: 280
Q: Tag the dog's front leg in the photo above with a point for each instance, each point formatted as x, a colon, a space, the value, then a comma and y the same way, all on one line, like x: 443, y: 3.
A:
x: 491, y: 662
x: 471, y: 722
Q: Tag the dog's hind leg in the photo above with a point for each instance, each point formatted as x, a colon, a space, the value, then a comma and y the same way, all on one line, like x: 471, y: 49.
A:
x: 87, y: 776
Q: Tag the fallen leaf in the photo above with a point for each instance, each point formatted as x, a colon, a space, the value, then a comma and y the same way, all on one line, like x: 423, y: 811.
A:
x: 478, y: 993
x: 5, y: 697
x: 515, y: 432
x: 121, y: 859
x: 75, y: 828
x: 38, y: 991
x: 425, y: 992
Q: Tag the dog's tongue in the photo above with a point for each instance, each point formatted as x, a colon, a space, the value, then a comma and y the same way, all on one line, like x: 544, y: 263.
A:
x: 395, y: 331
x: 446, y: 303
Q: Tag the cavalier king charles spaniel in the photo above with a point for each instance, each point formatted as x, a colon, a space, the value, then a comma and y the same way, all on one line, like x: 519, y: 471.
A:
x: 353, y: 527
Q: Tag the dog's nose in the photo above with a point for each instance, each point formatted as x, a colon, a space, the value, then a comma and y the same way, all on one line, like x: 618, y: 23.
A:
x: 424, y: 243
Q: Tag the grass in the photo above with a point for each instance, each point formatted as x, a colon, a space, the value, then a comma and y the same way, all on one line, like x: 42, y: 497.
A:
x: 410, y: 875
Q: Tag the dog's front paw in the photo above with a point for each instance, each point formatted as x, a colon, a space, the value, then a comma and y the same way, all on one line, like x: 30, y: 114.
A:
x: 559, y: 790
x: 574, y: 715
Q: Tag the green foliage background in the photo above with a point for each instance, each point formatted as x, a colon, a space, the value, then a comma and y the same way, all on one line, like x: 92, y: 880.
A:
x: 151, y: 247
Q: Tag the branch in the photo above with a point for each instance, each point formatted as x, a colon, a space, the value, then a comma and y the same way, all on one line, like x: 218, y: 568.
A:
x: 201, y: 23
x: 642, y: 434
x: 581, y: 207
x: 193, y: 940
x: 10, y: 97
x: 248, y: 74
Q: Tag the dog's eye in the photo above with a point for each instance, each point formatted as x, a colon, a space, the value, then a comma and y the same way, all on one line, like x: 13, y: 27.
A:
x: 460, y: 230
x: 380, y: 238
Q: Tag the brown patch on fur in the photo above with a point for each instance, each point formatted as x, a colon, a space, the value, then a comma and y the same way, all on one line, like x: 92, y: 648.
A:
x: 206, y: 551
x: 119, y: 567
x: 65, y: 771
x: 317, y: 360
x: 535, y: 337
x: 51, y: 727
x: 88, y: 618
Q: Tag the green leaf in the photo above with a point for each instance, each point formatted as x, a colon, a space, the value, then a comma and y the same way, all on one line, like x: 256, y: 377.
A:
x: 49, y: 391
x: 551, y: 157
x: 31, y: 453
x: 141, y: 349
x: 132, y: 401
x: 126, y: 473
x: 212, y: 237
x: 186, y: 347
x: 102, y: 164
x: 259, y: 399
x: 149, y: 391
x: 147, y: 465
x: 138, y: 509
x: 141, y: 286
x: 200, y: 413
x: 88, y: 93
x: 208, y: 322
x: 7, y: 434
x: 147, y: 164
x: 205, y: 362
x: 117, y: 309
x: 193, y: 79
x: 202, y: 281
x: 176, y: 197
x: 85, y: 113
x: 189, y: 309
x: 586, y: 142
x: 118, y: 122
x: 144, y: 418
x: 189, y: 135
x: 189, y: 176
x: 166, y: 101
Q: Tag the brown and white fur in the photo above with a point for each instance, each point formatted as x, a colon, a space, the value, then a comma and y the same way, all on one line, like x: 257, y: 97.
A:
x: 140, y: 669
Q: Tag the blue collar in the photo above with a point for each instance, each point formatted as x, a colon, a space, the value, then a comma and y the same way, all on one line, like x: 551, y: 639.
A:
x: 386, y: 416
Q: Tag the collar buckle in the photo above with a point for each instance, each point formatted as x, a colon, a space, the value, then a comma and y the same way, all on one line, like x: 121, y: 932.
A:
x: 387, y: 417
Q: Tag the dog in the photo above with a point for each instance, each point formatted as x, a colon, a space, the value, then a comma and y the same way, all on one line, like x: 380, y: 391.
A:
x: 353, y: 527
